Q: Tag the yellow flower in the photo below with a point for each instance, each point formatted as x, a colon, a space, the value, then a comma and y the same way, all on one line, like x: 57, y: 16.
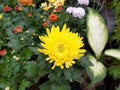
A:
x: 62, y: 47
x: 51, y: 1
x: 46, y: 6
x: 0, y: 17
x: 58, y: 3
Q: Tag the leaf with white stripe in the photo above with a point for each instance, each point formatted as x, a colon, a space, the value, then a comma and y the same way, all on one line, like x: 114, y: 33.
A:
x: 97, y: 72
x: 97, y: 32
x: 113, y: 53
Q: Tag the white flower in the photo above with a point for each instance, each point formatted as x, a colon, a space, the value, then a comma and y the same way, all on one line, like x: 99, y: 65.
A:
x: 69, y: 10
x: 16, y: 58
x: 84, y: 2
x: 7, y: 88
x: 78, y: 12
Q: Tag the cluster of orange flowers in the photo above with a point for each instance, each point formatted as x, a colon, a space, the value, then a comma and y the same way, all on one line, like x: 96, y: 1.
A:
x: 26, y: 2
x: 52, y: 17
x: 8, y: 9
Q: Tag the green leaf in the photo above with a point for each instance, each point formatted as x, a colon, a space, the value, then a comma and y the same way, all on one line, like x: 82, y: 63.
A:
x: 68, y: 74
x: 46, y: 86
x: 14, y: 44
x: 31, y: 69
x: 34, y: 50
x: 76, y: 76
x: 24, y: 84
x: 60, y: 87
x: 114, y: 70
x: 96, y: 72
x: 54, y: 86
x: 113, y: 53
x: 26, y: 53
x: 97, y: 32
x: 84, y: 61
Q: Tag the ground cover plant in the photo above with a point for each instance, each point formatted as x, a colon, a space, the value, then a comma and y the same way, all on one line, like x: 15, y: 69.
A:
x: 52, y: 44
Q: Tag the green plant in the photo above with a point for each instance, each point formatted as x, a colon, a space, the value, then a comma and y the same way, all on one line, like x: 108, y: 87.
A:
x: 24, y: 29
x: 116, y: 32
x: 114, y: 70
x: 114, y: 41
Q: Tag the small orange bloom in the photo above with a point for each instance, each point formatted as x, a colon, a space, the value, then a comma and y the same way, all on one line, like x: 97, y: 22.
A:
x: 53, y: 17
x: 26, y: 2
x: 3, y: 52
x: 29, y: 15
x: 7, y: 9
x: 17, y: 29
x: 18, y: 8
x: 44, y: 24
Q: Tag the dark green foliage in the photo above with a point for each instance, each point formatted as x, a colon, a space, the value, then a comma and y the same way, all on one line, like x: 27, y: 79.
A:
x: 114, y: 69
x: 115, y: 5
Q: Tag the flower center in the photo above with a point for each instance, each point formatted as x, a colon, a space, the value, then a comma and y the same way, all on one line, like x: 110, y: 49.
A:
x: 61, y: 48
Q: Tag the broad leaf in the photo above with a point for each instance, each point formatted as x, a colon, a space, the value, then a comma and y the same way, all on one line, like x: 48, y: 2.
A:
x: 113, y: 53
x: 96, y: 72
x: 31, y: 69
x: 24, y: 84
x: 26, y: 53
x: 54, y: 86
x: 84, y: 61
x: 97, y: 32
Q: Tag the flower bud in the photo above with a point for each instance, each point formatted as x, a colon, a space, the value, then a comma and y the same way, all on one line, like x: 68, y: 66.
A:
x: 18, y: 8
x: 29, y: 15
x: 3, y: 52
x: 17, y: 29
x: 44, y: 24
x: 7, y: 9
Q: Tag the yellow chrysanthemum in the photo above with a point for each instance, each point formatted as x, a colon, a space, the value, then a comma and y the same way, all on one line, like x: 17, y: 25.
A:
x: 46, y: 6
x: 51, y: 1
x: 58, y: 3
x: 62, y: 47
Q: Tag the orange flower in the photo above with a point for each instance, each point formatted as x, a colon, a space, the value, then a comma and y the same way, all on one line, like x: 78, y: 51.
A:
x: 18, y: 8
x: 3, y: 52
x: 17, y: 29
x: 53, y: 17
x: 58, y: 9
x: 7, y: 9
x: 26, y: 2
x: 44, y: 24
x: 29, y: 15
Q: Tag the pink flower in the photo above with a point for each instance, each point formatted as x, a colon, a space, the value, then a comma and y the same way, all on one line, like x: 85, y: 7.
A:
x: 69, y: 10
x: 78, y: 12
x: 84, y: 2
